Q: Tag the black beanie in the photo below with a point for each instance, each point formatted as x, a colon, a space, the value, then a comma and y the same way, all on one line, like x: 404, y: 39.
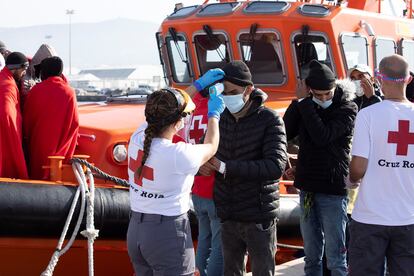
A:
x: 51, y: 67
x: 320, y: 76
x: 238, y: 73
x: 16, y: 60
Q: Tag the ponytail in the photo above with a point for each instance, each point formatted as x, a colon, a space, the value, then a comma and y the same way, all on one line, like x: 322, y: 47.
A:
x: 149, y: 135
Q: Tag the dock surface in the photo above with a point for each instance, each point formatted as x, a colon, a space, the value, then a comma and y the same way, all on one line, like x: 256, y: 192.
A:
x: 292, y: 268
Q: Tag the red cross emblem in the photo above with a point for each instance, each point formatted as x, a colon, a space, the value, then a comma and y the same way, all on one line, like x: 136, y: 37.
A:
x: 197, y: 129
x: 147, y: 172
x: 403, y: 137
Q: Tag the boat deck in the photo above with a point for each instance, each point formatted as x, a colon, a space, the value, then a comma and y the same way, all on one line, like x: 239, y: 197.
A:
x: 292, y: 268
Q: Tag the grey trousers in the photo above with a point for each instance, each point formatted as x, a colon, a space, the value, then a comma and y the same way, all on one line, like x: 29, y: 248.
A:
x: 257, y: 239
x: 370, y: 244
x: 160, y: 245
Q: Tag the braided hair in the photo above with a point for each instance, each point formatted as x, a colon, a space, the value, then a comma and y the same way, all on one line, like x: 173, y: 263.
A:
x: 161, y: 110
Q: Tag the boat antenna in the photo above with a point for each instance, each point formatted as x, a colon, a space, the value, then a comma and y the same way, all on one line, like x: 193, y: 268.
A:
x: 253, y: 29
x: 173, y: 33
x: 211, y: 36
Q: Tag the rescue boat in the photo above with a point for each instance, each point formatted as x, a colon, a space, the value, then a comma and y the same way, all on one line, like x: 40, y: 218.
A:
x: 275, y: 38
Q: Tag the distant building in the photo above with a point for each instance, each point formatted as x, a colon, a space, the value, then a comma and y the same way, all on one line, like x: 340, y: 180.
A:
x: 84, y: 81
x: 119, y: 78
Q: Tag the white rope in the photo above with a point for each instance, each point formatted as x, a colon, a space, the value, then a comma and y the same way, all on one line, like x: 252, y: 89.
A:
x: 91, y: 233
x: 80, y: 176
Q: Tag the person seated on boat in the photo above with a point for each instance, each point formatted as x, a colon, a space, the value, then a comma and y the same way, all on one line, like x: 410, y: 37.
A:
x: 12, y: 161
x: 50, y: 119
x: 161, y: 174
x: 306, y: 52
x: 409, y: 92
x: 322, y: 116
x: 367, y: 92
x: 249, y: 162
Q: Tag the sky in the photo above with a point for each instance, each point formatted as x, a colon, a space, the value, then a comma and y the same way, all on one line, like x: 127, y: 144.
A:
x: 40, y: 12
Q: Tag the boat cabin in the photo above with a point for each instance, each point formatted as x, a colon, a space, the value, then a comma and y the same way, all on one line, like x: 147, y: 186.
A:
x: 277, y: 39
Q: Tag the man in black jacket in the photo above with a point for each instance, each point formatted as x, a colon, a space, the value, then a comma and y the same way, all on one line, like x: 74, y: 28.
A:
x: 250, y: 160
x: 323, y: 116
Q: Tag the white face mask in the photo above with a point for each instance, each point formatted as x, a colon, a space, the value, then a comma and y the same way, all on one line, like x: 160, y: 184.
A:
x: 322, y: 104
x: 358, y: 88
x: 234, y: 103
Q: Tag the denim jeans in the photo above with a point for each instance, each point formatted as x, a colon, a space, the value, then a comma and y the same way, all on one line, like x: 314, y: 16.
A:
x: 324, y: 227
x: 258, y: 239
x: 209, y: 256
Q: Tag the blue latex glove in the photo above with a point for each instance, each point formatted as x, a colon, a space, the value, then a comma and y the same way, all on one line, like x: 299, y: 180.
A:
x: 208, y: 78
x: 215, y: 106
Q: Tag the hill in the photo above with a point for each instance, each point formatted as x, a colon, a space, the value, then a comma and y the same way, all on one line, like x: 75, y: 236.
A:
x: 113, y: 43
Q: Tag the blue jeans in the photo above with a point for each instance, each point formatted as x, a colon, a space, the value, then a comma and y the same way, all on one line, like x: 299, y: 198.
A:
x: 324, y: 226
x: 209, y: 255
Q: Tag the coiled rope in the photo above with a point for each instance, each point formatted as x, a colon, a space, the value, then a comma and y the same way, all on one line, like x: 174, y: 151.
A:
x: 88, y: 196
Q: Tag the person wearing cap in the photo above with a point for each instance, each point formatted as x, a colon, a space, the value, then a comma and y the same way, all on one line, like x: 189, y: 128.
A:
x: 367, y: 92
x: 50, y: 105
x: 323, y: 117
x: 12, y: 161
x: 161, y: 174
x: 249, y: 162
x: 382, y: 166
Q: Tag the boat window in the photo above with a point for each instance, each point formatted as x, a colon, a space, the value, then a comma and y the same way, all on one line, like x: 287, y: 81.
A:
x: 355, y: 50
x: 309, y: 47
x: 218, y: 9
x: 183, y: 12
x: 275, y: 7
x: 212, y: 51
x: 314, y: 10
x: 407, y: 51
x: 383, y: 47
x: 262, y: 53
x: 179, y: 58
x: 161, y: 55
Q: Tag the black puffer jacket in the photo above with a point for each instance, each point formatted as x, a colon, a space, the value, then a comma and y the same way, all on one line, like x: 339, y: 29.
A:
x: 324, y: 141
x: 254, y: 150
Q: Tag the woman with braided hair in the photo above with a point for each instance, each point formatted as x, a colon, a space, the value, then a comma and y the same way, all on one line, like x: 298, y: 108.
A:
x: 161, y: 174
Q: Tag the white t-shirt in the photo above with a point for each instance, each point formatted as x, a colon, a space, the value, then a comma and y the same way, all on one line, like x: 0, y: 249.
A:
x: 166, y: 183
x: 384, y: 134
